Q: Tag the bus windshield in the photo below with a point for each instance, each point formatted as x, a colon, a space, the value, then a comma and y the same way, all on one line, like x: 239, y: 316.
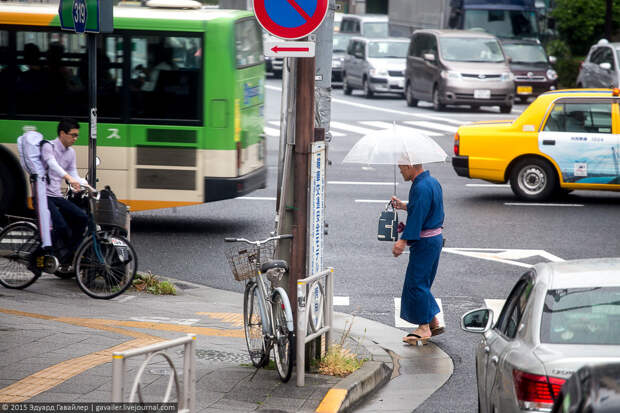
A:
x: 503, y: 23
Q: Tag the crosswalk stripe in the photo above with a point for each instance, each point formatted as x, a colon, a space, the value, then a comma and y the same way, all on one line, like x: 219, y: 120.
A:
x: 387, y: 125
x: 351, y: 128
x: 277, y: 123
x: 399, y: 322
x: 340, y: 300
x: 271, y: 131
x: 495, y: 305
x: 432, y: 125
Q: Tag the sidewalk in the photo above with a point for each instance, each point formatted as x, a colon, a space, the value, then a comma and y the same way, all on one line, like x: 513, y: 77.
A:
x: 57, y: 346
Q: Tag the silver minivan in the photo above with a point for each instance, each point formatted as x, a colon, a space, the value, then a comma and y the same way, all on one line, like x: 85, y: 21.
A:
x: 458, y: 67
x: 375, y: 66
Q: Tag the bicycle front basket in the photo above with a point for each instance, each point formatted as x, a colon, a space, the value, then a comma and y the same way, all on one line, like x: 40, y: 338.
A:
x: 245, y: 262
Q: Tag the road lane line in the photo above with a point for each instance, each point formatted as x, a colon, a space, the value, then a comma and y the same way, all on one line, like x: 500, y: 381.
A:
x: 387, y: 125
x: 541, y: 204
x: 399, y: 322
x: 360, y: 183
x: 488, y: 185
x: 334, y: 133
x: 352, y: 128
x: 433, y: 125
x: 271, y: 131
x: 341, y: 300
x: 257, y: 198
x: 371, y: 201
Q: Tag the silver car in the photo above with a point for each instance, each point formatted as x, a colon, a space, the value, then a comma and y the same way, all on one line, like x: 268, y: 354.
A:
x: 601, y: 68
x: 375, y: 66
x: 557, y: 318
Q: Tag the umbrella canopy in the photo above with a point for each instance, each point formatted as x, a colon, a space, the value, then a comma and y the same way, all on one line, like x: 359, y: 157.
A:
x: 398, y: 145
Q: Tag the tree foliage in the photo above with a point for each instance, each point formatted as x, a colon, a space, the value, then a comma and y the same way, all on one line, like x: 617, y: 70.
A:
x: 581, y: 23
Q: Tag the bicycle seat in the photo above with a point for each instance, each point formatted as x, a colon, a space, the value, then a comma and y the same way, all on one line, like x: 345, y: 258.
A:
x: 269, y: 265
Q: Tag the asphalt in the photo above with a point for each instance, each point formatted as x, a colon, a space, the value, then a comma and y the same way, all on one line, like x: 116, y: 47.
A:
x: 57, y: 346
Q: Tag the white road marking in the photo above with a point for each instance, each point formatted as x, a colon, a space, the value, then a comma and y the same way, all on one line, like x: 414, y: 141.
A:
x: 360, y: 183
x: 488, y: 185
x: 271, y: 131
x: 338, y: 300
x: 378, y: 108
x: 351, y: 128
x: 505, y: 256
x: 433, y: 125
x: 372, y: 201
x: 257, y: 198
x: 495, y: 305
x: 387, y: 125
x: 542, y: 205
x: 399, y: 322
x: 182, y: 322
x: 277, y: 123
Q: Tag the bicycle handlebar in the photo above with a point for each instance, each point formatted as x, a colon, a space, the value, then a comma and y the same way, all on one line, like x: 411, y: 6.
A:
x: 247, y: 241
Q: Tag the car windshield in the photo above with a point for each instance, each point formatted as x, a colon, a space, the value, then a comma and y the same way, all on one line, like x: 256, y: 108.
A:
x: 470, y: 49
x: 375, y: 29
x: 340, y: 43
x: 384, y: 50
x: 581, y: 316
x: 503, y: 23
x: 525, y: 53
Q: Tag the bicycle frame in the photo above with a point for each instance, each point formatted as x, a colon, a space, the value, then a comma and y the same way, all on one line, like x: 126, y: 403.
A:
x: 263, y: 294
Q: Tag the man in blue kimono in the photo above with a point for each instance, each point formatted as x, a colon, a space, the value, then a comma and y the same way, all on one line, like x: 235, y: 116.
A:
x: 422, y: 234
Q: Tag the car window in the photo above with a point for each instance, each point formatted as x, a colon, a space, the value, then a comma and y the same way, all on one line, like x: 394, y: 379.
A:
x: 420, y: 43
x: 386, y: 50
x: 514, y: 295
x: 595, y: 57
x: 471, y: 50
x: 580, y: 117
x: 516, y: 314
x: 581, y: 316
x: 607, y: 56
x: 432, y: 45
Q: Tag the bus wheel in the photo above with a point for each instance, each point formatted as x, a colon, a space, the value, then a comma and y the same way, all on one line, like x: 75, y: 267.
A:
x: 7, y: 189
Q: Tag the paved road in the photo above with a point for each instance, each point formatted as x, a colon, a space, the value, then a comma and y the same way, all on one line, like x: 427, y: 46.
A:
x: 482, y: 221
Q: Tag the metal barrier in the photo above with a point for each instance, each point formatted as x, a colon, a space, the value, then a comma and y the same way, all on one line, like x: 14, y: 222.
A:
x: 303, y: 316
x: 186, y: 400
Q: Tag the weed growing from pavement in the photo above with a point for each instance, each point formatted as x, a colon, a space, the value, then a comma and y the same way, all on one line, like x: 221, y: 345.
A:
x: 150, y: 283
x: 340, y: 361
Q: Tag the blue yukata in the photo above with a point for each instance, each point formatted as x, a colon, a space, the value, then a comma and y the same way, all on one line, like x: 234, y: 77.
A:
x: 424, y: 212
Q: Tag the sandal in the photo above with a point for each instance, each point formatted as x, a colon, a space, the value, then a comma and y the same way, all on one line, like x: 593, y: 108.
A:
x: 437, y: 330
x: 414, y: 339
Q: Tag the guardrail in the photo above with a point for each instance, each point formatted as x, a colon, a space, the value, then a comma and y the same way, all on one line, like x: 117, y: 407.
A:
x: 186, y: 400
x: 323, y: 320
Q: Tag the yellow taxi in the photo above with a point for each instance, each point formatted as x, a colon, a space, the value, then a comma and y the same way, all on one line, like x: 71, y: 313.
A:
x: 565, y: 140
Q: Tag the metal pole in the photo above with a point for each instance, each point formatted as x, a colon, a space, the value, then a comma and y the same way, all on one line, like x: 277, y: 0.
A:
x: 301, y: 334
x: 189, y: 375
x: 118, y: 377
x: 329, y: 306
x: 92, y: 108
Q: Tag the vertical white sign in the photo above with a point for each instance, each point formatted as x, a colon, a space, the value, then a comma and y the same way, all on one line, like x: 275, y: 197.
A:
x: 317, y: 207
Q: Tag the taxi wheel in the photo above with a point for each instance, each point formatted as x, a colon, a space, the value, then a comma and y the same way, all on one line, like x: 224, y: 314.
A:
x: 533, y: 179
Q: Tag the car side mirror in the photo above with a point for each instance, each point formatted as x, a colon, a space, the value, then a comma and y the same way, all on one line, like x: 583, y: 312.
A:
x: 477, y: 321
x: 429, y: 57
x: 552, y: 60
x: 605, y: 66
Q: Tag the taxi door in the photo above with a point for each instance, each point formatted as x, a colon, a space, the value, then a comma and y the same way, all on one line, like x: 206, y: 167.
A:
x: 579, y: 136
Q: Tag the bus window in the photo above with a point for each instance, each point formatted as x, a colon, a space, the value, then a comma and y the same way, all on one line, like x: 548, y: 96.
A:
x: 248, y: 41
x: 166, y: 77
x: 5, y: 69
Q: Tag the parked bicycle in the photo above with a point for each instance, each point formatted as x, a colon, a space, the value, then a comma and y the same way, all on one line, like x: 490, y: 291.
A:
x: 267, y: 312
x: 104, y: 264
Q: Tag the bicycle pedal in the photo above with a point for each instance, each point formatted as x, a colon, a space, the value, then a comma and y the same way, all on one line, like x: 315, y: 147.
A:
x: 50, y: 263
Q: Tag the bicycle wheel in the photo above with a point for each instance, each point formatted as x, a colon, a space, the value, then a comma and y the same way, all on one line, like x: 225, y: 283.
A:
x: 18, y: 242
x: 106, y: 268
x: 283, y: 343
x: 253, y: 325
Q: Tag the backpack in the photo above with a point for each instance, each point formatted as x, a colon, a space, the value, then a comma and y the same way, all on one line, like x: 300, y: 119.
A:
x: 29, y: 148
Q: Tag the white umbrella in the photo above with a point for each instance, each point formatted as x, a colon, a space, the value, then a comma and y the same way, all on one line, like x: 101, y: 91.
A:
x: 398, y: 145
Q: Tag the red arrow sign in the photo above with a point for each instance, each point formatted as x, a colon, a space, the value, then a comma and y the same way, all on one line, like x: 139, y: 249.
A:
x: 277, y: 49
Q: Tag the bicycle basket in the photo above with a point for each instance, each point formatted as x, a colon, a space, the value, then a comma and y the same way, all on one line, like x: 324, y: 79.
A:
x: 245, y: 262
x: 109, y: 211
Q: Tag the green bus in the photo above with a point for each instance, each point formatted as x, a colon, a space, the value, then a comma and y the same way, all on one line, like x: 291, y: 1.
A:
x: 180, y: 98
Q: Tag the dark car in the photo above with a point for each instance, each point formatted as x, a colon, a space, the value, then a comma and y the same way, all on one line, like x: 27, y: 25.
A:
x: 592, y: 389
x: 533, y: 74
x: 341, y: 41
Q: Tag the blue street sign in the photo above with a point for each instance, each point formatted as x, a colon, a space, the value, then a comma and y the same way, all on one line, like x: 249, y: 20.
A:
x: 79, y: 15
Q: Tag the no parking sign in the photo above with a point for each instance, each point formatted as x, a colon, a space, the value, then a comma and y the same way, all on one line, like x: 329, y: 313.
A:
x: 290, y: 19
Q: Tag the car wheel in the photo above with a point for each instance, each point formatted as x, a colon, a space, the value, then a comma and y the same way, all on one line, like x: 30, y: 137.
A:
x: 437, y: 105
x: 505, y: 108
x: 368, y: 93
x: 522, y: 99
x: 533, y: 179
x: 411, y: 101
x: 346, y: 88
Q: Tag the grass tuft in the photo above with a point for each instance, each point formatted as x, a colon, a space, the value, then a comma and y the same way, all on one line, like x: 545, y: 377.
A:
x: 340, y: 361
x: 150, y: 283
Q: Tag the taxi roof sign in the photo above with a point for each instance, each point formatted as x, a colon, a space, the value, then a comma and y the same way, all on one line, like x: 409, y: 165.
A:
x: 290, y: 19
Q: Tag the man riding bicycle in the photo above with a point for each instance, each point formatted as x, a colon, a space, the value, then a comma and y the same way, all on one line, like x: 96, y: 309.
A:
x: 68, y: 220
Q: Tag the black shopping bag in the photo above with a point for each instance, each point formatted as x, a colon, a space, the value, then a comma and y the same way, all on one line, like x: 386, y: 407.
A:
x: 388, y: 224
